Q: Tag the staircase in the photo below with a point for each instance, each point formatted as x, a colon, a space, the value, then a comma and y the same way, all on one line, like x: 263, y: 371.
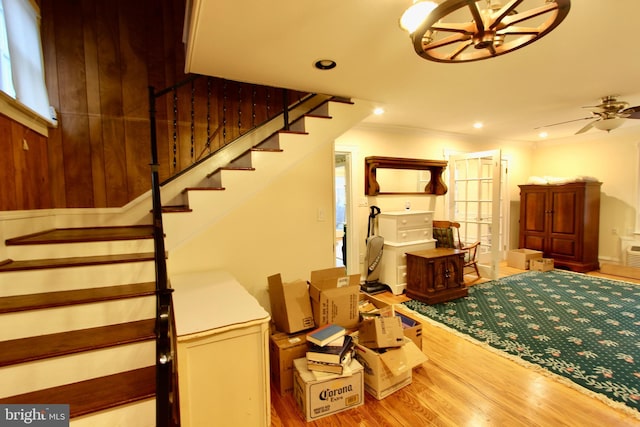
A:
x: 78, y: 318
x: 77, y: 304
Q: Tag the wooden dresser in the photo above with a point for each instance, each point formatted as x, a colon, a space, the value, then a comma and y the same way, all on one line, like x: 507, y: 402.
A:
x: 436, y: 275
x: 403, y: 231
x: 562, y: 221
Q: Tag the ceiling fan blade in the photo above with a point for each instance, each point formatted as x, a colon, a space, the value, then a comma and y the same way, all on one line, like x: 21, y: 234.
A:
x: 595, y: 108
x: 632, y: 112
x: 562, y: 123
x: 587, y: 127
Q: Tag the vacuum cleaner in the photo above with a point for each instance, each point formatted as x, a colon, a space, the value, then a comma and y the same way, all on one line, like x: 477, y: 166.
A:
x: 373, y: 258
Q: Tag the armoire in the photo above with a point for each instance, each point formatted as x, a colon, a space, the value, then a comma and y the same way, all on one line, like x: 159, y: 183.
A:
x: 562, y: 221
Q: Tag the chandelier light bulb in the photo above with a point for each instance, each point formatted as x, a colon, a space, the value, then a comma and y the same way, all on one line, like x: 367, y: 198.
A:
x: 609, y: 124
x: 415, y: 15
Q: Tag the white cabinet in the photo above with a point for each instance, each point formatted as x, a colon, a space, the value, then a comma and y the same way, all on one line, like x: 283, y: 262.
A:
x: 222, y: 351
x: 403, y: 231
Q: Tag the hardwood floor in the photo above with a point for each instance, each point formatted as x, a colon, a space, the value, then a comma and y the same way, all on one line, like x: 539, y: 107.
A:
x: 464, y: 384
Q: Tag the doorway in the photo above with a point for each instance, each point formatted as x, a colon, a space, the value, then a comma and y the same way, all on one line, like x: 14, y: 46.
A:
x: 477, y: 200
x: 341, y: 204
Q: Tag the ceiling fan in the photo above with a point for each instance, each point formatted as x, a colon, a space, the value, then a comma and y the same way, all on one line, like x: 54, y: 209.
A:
x: 608, y: 115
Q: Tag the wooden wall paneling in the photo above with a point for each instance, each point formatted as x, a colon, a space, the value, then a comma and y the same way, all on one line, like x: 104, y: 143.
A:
x: 33, y: 148
x: 72, y: 117
x: 175, y: 47
x: 9, y: 187
x: 135, y: 38
x: 27, y: 150
x: 184, y: 128
x: 216, y: 108
x: 56, y: 181
x: 43, y: 168
x: 202, y: 118
x: 77, y: 168
x: 100, y: 58
x: 111, y: 63
x: 261, y: 111
x: 20, y: 168
x: 156, y: 52
x: 92, y: 67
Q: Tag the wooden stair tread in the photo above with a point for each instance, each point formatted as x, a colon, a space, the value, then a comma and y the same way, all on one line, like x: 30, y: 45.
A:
x: 237, y: 168
x: 88, y: 234
x: 202, y: 189
x: 43, y: 300
x: 268, y: 150
x: 95, y: 394
x: 295, y: 132
x: 38, y: 264
x: 40, y: 347
x: 341, y: 100
x: 176, y: 208
x: 318, y: 116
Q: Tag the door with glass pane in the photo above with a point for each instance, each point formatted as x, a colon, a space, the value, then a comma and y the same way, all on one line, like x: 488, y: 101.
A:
x: 476, y: 183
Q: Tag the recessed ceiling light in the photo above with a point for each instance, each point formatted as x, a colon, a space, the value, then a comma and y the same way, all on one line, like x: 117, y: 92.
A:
x: 543, y: 134
x: 325, y: 64
x: 378, y: 111
x: 478, y: 125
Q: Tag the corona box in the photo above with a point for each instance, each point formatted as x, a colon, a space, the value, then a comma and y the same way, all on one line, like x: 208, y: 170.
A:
x: 319, y: 394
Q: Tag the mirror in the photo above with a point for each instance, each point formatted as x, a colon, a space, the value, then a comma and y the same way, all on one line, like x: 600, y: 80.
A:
x: 395, y: 175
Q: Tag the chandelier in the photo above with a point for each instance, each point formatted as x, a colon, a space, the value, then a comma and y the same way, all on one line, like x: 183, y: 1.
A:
x: 471, y: 30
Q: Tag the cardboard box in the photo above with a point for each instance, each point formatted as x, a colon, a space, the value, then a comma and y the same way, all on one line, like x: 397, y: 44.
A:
x: 334, y: 297
x: 541, y: 264
x: 283, y: 350
x: 520, y: 258
x: 387, y: 372
x: 371, y: 306
x: 290, y: 305
x: 412, y: 327
x: 321, y: 394
x: 381, y: 332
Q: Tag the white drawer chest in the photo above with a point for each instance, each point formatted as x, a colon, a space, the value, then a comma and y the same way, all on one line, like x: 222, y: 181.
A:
x: 403, y: 231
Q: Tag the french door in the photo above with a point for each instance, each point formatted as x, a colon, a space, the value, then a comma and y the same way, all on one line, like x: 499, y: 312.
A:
x: 477, y: 183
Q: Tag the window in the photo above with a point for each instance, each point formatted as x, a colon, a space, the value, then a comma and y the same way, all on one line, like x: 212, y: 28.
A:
x: 21, y: 65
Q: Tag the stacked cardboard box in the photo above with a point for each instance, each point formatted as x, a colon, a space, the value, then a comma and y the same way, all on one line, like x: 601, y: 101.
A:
x: 318, y: 395
x: 387, y: 355
x: 387, y: 344
x: 334, y: 297
x: 521, y: 258
x: 283, y: 350
x: 541, y: 264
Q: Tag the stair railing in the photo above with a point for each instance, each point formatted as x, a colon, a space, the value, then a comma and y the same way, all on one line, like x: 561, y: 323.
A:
x: 197, y: 140
x: 166, y: 412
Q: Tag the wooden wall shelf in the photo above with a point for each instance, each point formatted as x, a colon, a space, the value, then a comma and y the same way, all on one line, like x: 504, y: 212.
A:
x: 435, y: 185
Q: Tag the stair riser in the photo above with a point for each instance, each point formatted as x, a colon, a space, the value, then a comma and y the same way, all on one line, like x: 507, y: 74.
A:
x: 61, y: 279
x: 27, y: 377
x: 139, y: 414
x: 60, y: 319
x: 67, y: 250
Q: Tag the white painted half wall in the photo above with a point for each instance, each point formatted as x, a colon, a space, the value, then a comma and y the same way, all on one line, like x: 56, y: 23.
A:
x: 287, y: 228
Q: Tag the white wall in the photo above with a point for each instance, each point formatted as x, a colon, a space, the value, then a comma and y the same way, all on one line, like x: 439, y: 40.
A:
x: 278, y: 231
x: 612, y: 158
x: 366, y: 140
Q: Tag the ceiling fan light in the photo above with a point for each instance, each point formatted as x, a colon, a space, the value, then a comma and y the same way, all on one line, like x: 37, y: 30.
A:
x: 609, y: 124
x: 415, y: 15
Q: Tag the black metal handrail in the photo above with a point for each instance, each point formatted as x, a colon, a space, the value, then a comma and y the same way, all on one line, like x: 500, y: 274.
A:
x: 167, y: 409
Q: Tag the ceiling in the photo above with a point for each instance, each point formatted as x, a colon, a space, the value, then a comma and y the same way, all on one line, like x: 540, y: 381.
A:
x: 594, y: 52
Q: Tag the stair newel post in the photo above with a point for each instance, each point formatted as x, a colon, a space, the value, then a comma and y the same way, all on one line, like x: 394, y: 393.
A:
x: 164, y: 357
x: 285, y: 108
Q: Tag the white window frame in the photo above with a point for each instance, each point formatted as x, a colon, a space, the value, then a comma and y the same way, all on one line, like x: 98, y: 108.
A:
x: 11, y: 106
